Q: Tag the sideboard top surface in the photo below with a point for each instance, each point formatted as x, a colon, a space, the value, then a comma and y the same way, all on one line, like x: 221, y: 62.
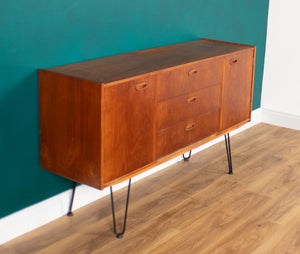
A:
x: 118, y: 67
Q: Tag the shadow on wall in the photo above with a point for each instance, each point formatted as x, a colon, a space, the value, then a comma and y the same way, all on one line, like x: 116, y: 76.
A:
x: 19, y: 150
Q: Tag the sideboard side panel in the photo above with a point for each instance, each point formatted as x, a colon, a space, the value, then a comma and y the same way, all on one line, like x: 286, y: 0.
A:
x: 70, y: 127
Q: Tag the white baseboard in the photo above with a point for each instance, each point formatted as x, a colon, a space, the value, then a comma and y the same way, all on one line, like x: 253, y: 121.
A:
x: 39, y: 214
x: 280, y: 119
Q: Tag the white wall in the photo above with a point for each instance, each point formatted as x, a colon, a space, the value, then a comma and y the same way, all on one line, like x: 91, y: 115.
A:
x: 281, y: 82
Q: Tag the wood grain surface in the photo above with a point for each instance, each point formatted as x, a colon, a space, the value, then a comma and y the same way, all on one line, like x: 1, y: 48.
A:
x: 237, y: 90
x: 70, y: 120
x: 127, y: 127
x: 106, y: 120
x: 113, y: 68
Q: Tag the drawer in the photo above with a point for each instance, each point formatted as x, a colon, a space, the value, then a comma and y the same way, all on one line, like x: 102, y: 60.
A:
x: 175, y: 110
x: 185, y: 133
x: 188, y: 78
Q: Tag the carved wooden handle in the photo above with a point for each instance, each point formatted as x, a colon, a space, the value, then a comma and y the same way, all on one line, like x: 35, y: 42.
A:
x: 191, y: 99
x: 193, y: 72
x: 190, y: 126
x: 141, y: 86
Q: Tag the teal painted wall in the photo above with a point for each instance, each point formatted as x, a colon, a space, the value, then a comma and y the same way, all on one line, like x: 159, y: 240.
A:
x: 41, y: 33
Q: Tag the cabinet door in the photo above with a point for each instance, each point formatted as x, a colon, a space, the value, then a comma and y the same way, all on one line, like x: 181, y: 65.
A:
x: 127, y: 128
x: 237, y: 90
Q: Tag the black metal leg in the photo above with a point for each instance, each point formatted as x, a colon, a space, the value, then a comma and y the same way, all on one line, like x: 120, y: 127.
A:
x: 228, y: 151
x: 119, y: 235
x: 72, y: 199
x: 187, y: 158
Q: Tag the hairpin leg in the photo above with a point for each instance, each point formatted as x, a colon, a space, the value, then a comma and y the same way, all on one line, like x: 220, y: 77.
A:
x: 72, y: 199
x: 119, y: 235
x: 187, y: 158
x: 228, y: 151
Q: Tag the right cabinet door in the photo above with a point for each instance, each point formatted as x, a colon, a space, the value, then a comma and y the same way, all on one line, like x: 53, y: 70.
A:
x: 237, y: 89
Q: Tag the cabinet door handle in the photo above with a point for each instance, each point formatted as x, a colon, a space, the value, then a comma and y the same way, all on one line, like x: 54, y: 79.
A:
x: 193, y: 72
x: 190, y: 126
x: 141, y: 86
x: 191, y: 99
x: 233, y: 61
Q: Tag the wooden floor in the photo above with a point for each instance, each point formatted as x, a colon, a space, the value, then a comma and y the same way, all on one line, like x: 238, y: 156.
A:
x: 195, y: 207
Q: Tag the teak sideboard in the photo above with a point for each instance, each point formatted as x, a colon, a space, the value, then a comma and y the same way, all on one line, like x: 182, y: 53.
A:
x: 103, y: 121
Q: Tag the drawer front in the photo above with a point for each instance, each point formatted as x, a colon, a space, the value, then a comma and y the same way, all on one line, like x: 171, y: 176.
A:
x: 188, y: 78
x: 128, y: 123
x: 185, y: 133
x: 181, y: 108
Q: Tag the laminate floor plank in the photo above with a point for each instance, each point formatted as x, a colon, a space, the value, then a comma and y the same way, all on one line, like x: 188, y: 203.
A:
x: 215, y: 223
x: 194, y: 206
x: 287, y: 238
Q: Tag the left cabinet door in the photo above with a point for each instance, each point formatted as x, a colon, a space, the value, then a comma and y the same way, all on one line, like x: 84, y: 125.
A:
x: 128, y: 122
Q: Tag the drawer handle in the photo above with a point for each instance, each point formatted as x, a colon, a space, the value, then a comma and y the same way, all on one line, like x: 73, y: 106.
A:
x: 193, y: 72
x: 190, y: 126
x: 233, y: 61
x: 192, y: 99
x: 141, y: 86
